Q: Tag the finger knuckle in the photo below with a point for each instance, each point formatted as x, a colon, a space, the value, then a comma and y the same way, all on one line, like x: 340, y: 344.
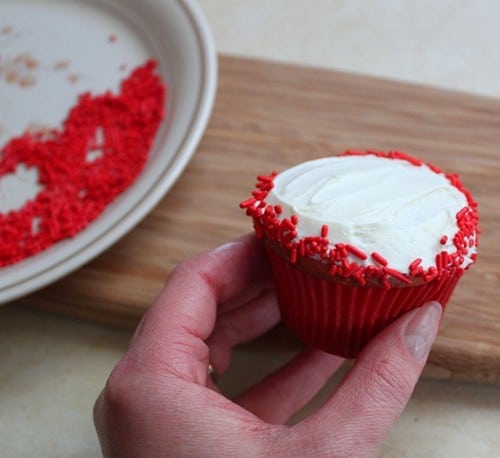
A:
x: 179, y: 270
x: 118, y: 393
x: 389, y: 382
x: 202, y: 275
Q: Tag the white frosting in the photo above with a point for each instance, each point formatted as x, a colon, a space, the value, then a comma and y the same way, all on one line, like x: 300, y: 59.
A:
x: 388, y: 206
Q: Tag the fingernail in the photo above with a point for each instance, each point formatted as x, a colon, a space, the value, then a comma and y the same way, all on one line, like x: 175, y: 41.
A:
x: 422, y: 328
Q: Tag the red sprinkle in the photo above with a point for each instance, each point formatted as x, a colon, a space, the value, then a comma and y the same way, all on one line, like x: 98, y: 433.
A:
x: 380, y: 259
x: 356, y: 251
x: 415, y: 264
x: 397, y: 274
x: 302, y: 248
x: 248, y: 202
x: 443, y: 239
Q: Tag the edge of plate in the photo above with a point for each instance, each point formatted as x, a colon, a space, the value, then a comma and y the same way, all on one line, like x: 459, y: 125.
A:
x: 181, y: 159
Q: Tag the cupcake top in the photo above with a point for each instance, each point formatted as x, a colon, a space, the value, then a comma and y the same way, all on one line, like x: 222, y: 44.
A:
x: 369, y: 215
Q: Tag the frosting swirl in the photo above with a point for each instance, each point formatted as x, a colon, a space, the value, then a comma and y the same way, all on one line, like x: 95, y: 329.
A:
x: 389, y: 206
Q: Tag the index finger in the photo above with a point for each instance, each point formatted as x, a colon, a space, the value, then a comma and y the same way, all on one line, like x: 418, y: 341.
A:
x: 171, y: 334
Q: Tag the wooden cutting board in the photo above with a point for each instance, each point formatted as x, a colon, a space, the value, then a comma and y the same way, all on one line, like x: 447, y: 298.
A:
x: 268, y: 116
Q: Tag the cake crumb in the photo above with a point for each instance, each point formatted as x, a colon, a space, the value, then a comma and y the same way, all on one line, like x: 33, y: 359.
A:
x: 20, y: 70
x: 10, y: 77
x: 30, y: 62
x: 62, y: 64
x: 73, y: 78
x: 40, y: 131
x: 27, y: 81
x: 6, y: 30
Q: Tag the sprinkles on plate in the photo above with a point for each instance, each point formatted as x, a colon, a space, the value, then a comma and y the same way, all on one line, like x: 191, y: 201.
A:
x: 100, y: 151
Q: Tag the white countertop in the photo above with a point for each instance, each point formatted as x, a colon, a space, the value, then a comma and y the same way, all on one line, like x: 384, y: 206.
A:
x: 53, y: 368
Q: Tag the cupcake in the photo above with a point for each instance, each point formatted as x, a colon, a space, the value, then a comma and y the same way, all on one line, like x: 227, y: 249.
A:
x: 356, y: 240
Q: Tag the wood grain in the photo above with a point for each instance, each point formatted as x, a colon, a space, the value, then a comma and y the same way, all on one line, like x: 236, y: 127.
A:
x: 269, y: 116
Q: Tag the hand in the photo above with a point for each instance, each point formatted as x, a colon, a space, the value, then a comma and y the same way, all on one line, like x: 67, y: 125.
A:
x: 160, y: 400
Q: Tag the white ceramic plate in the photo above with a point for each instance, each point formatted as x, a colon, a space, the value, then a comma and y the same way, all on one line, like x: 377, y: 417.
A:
x: 91, y: 45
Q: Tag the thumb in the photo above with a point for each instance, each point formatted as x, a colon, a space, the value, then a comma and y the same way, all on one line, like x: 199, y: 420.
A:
x: 375, y: 391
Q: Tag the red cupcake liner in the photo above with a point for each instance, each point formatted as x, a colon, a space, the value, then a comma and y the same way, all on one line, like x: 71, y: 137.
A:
x: 340, y: 318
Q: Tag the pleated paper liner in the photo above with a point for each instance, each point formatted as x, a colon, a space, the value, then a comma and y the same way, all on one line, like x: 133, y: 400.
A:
x: 341, y: 318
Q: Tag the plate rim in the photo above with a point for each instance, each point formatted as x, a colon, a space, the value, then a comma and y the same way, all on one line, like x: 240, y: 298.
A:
x: 158, y: 189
